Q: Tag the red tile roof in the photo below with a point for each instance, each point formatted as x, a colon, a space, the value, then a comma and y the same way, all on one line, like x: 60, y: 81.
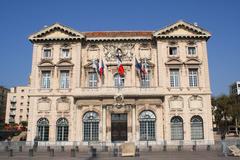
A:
x: 119, y: 34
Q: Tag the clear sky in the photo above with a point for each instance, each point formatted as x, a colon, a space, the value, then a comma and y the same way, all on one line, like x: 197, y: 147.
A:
x: 20, y: 18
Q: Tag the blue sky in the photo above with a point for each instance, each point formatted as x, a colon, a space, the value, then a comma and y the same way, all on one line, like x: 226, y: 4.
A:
x: 18, y: 19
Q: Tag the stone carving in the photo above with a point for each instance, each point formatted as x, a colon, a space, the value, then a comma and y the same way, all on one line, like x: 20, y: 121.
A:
x: 195, y: 103
x: 63, y: 104
x: 93, y: 52
x: 124, y: 51
x: 44, y: 104
x: 145, y: 51
x: 176, y: 103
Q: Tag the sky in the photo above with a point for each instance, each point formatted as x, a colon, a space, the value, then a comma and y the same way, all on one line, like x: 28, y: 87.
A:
x: 19, y: 19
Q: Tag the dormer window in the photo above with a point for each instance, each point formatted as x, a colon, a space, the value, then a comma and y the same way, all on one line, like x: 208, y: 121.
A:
x: 47, y: 53
x: 192, y: 51
x: 65, y: 53
x: 172, y: 51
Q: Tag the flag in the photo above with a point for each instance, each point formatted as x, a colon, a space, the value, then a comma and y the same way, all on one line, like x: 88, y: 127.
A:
x: 119, y: 63
x: 138, y: 66
x: 101, y: 68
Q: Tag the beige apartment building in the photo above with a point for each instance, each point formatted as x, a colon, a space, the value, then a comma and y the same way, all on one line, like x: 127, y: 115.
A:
x: 3, y: 103
x: 17, y: 109
x: 162, y: 96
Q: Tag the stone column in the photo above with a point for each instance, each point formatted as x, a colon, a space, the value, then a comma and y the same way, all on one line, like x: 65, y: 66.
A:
x: 133, y: 123
x: 104, y: 124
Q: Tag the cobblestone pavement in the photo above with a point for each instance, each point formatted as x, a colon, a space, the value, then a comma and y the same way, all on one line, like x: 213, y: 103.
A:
x: 169, y: 155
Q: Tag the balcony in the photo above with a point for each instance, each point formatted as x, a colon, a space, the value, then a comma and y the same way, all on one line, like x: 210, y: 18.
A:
x: 111, y: 91
x: 11, y: 120
x: 13, y: 107
x: 12, y: 113
x: 13, y: 100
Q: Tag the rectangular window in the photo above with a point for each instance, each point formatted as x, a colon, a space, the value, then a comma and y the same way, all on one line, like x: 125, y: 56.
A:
x: 92, y: 79
x: 46, y: 76
x: 193, y: 77
x: 174, y: 77
x: 191, y: 51
x: 65, y: 53
x: 145, y: 80
x: 64, y: 79
x: 47, y: 53
x: 172, y: 51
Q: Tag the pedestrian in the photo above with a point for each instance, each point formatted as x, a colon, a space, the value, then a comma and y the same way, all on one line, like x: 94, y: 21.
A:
x: 224, y: 145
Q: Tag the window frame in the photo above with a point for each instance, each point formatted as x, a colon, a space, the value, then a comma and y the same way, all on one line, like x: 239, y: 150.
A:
x: 118, y: 78
x: 177, y: 51
x: 178, y: 82
x: 64, y: 82
x: 62, y: 129
x: 91, y: 126
x: 193, y: 79
x: 46, y: 80
x: 92, y: 79
x: 147, y: 126
x: 43, y: 129
x: 177, y: 125
x: 43, y: 53
x: 197, y: 124
x: 61, y: 53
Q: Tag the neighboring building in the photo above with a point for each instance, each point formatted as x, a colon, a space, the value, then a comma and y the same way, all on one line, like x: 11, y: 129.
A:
x: 17, y: 105
x: 3, y: 102
x: 167, y: 99
x: 235, y: 88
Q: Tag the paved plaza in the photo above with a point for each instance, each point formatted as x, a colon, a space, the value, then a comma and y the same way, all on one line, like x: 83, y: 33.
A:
x: 155, y: 155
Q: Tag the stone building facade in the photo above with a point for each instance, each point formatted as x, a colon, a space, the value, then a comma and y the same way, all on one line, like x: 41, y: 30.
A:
x: 166, y: 100
x: 17, y: 109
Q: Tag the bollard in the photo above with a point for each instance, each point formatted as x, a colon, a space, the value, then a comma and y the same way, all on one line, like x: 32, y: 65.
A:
x: 62, y: 148
x: 164, y: 148
x: 30, y: 153
x: 194, y: 147
x: 10, y: 152
x: 94, y: 152
x: 115, y: 152
x: 208, y: 147
x: 179, y: 147
x: 137, y: 152
x: 73, y: 152
x: 20, y: 148
x: 48, y: 148
x: 150, y: 148
x: 76, y: 148
x: 51, y: 153
x: 6, y: 148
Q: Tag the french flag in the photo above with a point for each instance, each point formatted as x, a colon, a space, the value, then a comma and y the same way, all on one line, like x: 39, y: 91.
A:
x: 120, y: 66
x: 101, y: 68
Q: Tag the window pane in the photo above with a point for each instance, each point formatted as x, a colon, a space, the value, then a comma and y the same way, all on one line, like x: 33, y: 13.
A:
x: 46, y: 79
x: 118, y: 80
x: 93, y: 79
x: 147, y: 125
x: 172, y: 51
x: 43, y: 129
x: 176, y: 128
x: 90, y: 126
x: 65, y: 53
x: 193, y: 77
x: 64, y: 79
x: 47, y: 53
x: 174, y: 77
x: 196, y: 127
x: 191, y: 51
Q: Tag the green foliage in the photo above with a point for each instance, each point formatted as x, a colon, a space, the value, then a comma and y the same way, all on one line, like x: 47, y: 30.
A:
x: 226, y: 111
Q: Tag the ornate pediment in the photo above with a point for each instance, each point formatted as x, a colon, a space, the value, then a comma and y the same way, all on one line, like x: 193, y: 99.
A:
x: 56, y: 32
x: 65, y: 63
x: 174, y: 61
x: 182, y: 29
x: 46, y: 63
x: 124, y: 50
x: 193, y: 61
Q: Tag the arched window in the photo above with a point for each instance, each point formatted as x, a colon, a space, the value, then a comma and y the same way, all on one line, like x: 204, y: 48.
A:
x: 118, y: 80
x: 147, y: 121
x: 177, y: 128
x: 197, y: 127
x: 43, y: 129
x: 90, y: 126
x: 62, y: 129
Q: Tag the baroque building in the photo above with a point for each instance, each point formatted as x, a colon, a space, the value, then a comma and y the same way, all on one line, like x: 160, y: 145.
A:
x: 78, y: 92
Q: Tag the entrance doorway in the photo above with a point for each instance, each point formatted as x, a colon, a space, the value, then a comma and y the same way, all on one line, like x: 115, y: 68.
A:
x: 119, y: 127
